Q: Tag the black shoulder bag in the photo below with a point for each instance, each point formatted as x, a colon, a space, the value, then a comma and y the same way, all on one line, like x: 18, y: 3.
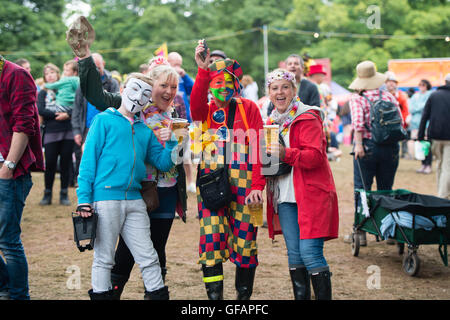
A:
x: 215, y: 187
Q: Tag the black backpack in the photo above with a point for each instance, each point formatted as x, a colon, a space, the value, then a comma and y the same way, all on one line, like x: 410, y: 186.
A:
x: 386, y: 122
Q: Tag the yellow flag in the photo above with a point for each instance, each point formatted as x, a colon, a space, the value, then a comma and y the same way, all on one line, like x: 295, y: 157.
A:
x: 162, y: 51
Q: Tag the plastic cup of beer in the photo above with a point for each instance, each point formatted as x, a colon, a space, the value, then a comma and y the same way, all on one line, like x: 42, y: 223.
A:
x: 179, y: 123
x: 271, y: 134
x: 256, y: 212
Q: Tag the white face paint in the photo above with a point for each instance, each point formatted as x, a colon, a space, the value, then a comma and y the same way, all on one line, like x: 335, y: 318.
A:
x: 136, y: 95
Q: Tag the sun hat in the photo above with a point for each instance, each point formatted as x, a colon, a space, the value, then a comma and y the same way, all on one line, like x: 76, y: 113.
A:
x: 367, y: 77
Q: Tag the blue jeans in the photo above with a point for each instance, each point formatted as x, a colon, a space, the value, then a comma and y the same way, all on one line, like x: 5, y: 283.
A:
x: 301, y: 252
x: 13, y: 273
x: 380, y: 162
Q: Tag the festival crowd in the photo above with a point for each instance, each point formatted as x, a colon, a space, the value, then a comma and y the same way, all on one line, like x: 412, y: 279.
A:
x: 135, y: 146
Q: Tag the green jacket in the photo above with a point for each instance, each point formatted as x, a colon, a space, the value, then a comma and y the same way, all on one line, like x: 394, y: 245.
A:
x: 66, y: 88
x: 92, y: 89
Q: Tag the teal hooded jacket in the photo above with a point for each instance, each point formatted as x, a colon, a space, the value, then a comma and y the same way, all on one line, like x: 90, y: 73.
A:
x: 114, y: 157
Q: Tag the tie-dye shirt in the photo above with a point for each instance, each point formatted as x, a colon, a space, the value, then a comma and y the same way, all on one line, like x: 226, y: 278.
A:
x: 155, y: 119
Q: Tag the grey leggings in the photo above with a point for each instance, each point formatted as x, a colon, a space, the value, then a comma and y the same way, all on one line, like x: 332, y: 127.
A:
x: 129, y: 219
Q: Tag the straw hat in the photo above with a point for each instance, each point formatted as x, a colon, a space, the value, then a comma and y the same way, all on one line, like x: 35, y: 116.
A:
x: 367, y: 77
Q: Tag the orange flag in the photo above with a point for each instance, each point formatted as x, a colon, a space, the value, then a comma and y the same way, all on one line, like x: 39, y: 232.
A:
x: 162, y: 50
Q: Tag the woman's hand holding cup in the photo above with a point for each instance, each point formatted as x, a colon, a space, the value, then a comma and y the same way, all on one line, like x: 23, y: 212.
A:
x: 276, y: 149
x: 164, y: 134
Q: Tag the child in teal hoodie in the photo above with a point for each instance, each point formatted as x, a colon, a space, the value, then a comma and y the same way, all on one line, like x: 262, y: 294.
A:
x: 112, y: 167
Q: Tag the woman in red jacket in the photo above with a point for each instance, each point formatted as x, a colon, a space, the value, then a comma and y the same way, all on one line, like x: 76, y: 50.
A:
x: 229, y: 232
x: 301, y: 204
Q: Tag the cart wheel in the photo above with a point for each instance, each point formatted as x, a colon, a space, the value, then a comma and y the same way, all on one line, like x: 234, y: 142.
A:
x: 411, y: 264
x: 400, y: 248
x: 355, y: 244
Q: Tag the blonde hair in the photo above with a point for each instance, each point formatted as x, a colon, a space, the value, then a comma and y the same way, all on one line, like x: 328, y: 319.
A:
x: 53, y: 67
x: 163, y: 73
x: 140, y: 76
x: 73, y: 64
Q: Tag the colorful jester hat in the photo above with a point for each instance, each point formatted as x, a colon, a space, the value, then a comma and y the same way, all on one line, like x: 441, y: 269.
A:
x: 229, y: 66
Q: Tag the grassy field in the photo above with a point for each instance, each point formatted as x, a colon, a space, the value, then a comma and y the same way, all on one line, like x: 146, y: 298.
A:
x: 57, y: 270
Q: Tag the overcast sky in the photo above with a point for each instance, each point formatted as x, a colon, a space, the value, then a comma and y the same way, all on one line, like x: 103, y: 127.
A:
x: 80, y: 8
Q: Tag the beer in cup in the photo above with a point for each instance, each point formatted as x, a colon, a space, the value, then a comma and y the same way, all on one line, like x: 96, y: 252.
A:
x: 271, y: 134
x: 179, y: 123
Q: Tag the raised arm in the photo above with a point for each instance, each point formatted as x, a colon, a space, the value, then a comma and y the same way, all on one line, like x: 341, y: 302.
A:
x: 92, y: 88
x: 199, y: 95
x: 80, y: 36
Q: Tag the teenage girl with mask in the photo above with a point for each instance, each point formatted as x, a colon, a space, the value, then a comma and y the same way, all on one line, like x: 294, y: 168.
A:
x: 172, y: 195
x: 112, y: 167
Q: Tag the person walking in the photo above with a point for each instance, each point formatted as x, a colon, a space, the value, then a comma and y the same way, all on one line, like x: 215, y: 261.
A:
x: 379, y: 161
x: 437, y: 112
x: 416, y: 105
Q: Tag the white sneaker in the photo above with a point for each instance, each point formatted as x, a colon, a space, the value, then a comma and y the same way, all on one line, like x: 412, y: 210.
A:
x: 192, y: 188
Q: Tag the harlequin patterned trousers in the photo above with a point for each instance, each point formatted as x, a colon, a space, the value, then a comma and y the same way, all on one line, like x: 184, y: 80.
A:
x: 229, y: 233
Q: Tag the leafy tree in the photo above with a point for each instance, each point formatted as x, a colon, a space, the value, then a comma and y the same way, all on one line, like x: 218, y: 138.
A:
x: 33, y: 26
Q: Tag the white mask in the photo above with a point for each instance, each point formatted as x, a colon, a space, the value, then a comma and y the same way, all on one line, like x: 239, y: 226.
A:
x: 136, y: 95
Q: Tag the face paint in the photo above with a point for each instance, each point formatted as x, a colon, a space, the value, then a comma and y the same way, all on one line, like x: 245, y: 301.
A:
x: 136, y: 95
x: 222, y: 86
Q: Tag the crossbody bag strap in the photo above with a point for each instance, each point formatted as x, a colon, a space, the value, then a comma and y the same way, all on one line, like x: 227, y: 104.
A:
x: 242, y: 112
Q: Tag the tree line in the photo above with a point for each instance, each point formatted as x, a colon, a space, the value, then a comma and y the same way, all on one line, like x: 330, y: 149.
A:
x: 128, y: 31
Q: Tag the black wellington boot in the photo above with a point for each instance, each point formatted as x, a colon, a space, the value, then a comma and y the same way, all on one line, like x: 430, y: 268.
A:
x: 244, y: 282
x: 160, y: 294
x: 321, y: 282
x: 64, y: 197
x: 107, y: 295
x: 47, y: 199
x: 118, y: 282
x: 213, y: 279
x: 300, y: 283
